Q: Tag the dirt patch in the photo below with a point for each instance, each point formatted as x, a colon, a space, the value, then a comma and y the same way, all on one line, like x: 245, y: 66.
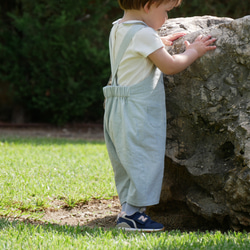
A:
x: 95, y: 213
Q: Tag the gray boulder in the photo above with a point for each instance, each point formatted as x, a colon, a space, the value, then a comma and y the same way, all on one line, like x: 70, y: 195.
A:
x: 208, y: 135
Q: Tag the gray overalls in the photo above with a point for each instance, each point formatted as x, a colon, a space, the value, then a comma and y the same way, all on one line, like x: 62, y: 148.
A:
x: 135, y: 133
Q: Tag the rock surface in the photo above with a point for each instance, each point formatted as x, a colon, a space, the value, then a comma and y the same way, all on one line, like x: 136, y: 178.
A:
x: 208, y: 138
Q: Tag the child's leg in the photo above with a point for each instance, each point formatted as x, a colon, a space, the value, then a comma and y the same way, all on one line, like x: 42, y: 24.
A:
x: 130, y: 210
x: 122, y: 180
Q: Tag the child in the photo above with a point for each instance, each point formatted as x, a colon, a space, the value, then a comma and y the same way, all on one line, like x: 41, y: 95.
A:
x: 135, y: 113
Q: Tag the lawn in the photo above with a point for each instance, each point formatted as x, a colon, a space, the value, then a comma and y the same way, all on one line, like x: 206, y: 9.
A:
x: 36, y: 171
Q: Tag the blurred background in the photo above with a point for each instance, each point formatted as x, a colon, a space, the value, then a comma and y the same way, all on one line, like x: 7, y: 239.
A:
x: 54, y: 57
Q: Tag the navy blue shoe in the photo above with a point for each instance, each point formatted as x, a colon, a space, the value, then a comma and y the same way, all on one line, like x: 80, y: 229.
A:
x: 138, y: 222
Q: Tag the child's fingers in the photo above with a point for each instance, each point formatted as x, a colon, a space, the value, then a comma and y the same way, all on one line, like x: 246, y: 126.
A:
x: 210, y: 41
x: 167, y: 42
x: 187, y: 43
x: 175, y: 36
x: 198, y: 38
x: 211, y: 47
x: 203, y: 38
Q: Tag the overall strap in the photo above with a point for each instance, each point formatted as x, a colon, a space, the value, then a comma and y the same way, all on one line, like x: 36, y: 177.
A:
x: 124, y: 45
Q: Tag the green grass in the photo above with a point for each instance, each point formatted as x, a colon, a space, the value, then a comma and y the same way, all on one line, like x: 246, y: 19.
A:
x: 36, y: 171
x: 15, y: 235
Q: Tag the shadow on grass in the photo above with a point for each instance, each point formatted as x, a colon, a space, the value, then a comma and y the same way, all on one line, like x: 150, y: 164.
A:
x: 95, y: 228
x: 71, y: 230
x: 101, y: 225
x: 174, y: 239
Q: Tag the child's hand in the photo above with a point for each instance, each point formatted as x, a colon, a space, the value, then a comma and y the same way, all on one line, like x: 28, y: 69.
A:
x: 201, y: 44
x: 168, y: 40
x: 172, y: 64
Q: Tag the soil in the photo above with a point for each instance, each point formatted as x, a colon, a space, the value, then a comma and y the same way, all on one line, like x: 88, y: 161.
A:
x: 98, y: 213
x: 95, y: 213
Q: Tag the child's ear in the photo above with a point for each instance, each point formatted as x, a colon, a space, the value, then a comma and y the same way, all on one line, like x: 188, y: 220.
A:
x: 146, y: 7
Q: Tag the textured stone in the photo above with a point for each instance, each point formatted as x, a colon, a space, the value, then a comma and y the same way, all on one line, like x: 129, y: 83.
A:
x: 208, y: 109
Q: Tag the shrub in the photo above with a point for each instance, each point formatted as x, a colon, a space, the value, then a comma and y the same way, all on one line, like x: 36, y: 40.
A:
x: 222, y: 8
x: 55, y: 57
x: 54, y: 53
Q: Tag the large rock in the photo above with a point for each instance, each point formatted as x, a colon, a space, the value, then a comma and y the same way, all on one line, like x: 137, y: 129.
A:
x: 208, y: 136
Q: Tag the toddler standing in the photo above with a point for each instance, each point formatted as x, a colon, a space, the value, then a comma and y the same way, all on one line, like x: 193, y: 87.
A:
x: 135, y: 112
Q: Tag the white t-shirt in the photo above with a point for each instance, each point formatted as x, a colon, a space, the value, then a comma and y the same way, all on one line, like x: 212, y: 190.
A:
x: 135, y: 65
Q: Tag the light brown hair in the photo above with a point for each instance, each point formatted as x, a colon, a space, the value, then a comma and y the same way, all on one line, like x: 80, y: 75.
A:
x: 137, y: 4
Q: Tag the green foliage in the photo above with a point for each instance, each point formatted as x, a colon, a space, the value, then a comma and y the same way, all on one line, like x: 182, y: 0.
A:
x: 54, y: 53
x: 55, y: 56
x: 223, y: 8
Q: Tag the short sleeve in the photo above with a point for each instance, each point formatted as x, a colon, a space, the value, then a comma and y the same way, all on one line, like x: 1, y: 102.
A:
x: 147, y: 41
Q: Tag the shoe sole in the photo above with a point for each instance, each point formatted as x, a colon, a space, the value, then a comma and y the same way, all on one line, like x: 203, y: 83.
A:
x: 141, y: 229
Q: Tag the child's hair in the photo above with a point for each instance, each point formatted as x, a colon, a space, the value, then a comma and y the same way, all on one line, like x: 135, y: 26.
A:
x: 137, y: 4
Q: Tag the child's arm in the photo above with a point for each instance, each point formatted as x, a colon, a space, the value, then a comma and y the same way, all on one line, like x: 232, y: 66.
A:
x: 170, y: 65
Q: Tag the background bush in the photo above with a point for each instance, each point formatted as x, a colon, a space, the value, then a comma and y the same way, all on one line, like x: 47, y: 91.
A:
x: 55, y: 57
x: 54, y: 53
x: 222, y: 8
